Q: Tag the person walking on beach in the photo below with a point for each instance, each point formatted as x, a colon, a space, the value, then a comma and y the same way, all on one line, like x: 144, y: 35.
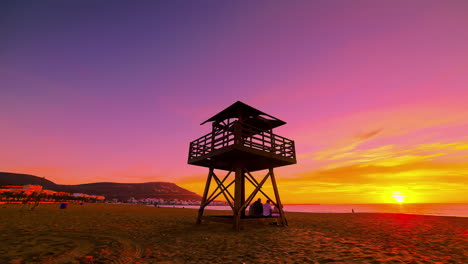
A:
x: 257, y: 208
x: 267, y: 208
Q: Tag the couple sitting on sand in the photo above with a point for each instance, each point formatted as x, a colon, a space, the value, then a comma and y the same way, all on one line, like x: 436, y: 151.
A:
x: 258, y: 209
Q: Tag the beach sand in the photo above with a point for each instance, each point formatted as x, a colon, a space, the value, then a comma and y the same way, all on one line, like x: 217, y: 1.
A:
x: 107, y: 233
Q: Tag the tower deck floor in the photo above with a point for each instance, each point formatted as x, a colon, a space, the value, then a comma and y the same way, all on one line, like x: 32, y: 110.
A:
x: 236, y: 156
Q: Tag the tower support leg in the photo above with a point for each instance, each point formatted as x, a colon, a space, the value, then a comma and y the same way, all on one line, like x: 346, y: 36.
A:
x: 238, y: 194
x: 283, y: 220
x: 205, y: 196
x: 242, y: 211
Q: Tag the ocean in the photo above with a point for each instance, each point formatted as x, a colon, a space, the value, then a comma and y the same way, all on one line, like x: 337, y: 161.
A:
x: 440, y: 209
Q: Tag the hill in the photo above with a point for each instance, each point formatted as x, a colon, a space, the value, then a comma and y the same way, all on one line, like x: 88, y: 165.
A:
x: 123, y: 191
x: 8, y: 178
x: 111, y: 190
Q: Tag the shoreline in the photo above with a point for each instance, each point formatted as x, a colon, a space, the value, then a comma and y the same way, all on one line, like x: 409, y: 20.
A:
x: 462, y: 212
x: 443, y: 210
x: 186, y: 207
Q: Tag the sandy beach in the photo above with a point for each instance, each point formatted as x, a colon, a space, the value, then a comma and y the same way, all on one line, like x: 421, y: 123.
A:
x: 107, y: 233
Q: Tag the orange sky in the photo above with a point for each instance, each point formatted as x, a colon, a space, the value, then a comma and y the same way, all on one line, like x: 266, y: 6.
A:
x: 417, y: 150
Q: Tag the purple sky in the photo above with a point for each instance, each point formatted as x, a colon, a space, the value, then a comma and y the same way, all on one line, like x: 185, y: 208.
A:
x: 115, y: 91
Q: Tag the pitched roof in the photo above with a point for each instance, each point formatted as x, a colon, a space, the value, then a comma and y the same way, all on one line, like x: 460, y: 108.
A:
x: 252, y: 116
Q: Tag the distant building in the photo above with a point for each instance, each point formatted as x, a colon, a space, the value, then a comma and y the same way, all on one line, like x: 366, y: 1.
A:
x: 34, y: 190
x: 4, y: 190
x: 30, y: 189
x: 13, y: 187
x: 84, y: 195
x: 49, y: 192
x: 99, y: 197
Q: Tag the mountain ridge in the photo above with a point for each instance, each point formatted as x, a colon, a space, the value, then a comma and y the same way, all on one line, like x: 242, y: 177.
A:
x: 111, y: 190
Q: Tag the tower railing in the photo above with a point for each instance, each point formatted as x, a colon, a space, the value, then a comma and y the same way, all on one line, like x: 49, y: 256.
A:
x: 242, y: 134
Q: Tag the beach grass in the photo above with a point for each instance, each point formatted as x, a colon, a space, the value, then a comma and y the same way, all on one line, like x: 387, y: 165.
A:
x: 110, y: 233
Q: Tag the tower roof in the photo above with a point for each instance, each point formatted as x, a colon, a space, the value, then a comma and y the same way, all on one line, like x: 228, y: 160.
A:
x: 250, y: 115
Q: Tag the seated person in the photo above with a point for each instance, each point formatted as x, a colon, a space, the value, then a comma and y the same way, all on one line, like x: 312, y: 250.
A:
x: 257, y: 208
x: 267, y: 208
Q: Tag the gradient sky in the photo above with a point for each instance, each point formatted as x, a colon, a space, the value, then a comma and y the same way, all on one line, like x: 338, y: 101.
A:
x: 374, y: 94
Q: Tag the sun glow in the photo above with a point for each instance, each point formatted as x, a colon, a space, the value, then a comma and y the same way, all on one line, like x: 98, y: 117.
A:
x: 398, y: 196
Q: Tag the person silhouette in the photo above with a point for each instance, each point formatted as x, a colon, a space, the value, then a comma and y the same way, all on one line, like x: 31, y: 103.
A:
x: 267, y: 208
x: 257, y: 208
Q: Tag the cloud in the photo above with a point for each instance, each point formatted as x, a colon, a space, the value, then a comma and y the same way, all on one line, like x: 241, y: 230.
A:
x: 400, y: 174
x: 390, y: 155
x: 347, y: 145
x: 421, y: 164
x: 368, y: 135
x: 421, y: 123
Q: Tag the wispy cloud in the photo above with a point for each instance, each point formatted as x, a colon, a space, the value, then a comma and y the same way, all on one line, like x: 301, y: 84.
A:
x: 347, y: 145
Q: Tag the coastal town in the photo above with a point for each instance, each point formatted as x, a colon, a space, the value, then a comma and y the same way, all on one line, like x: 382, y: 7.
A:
x: 16, y: 193
x: 158, y: 201
x: 30, y: 192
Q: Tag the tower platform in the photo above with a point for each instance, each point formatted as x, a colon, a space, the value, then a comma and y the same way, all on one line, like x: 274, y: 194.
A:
x: 237, y: 144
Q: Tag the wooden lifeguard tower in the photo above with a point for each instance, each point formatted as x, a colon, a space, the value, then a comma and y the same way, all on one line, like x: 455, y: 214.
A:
x: 241, y: 141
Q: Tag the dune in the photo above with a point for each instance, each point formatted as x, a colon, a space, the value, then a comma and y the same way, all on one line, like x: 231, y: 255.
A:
x: 109, y: 233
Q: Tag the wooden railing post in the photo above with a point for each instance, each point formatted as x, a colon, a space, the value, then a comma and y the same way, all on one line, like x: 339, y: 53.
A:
x: 293, y: 149
x: 273, y: 143
x: 190, y: 151
x: 213, y: 130
x: 237, y: 133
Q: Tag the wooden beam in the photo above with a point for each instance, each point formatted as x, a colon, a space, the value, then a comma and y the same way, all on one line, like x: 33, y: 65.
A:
x: 242, y: 211
x: 205, y: 193
x: 238, y: 198
x: 222, y: 185
x: 255, y: 184
x: 224, y: 191
x: 252, y: 195
x: 284, y: 222
x: 220, y: 192
x: 217, y: 187
x: 264, y: 194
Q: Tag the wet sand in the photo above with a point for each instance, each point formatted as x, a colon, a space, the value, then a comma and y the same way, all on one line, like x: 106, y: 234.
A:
x: 107, y: 233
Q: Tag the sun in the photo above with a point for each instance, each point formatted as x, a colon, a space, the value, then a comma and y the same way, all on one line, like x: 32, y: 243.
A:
x: 398, y: 196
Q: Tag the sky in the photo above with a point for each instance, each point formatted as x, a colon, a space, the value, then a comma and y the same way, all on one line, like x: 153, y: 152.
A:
x: 374, y: 93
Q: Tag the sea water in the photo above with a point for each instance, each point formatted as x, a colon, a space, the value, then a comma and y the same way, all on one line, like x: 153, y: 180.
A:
x: 409, y: 208
x: 405, y: 208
